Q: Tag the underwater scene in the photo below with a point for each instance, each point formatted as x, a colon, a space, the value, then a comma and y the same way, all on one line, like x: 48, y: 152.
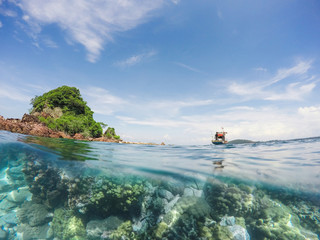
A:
x: 66, y: 189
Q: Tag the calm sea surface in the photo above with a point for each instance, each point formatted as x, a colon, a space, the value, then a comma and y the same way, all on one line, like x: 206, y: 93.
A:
x: 66, y: 189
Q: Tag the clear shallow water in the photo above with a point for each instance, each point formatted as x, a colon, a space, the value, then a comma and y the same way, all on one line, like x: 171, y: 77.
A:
x: 294, y: 164
x: 267, y: 190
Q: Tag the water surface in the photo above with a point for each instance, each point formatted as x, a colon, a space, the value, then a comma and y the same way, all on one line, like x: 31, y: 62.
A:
x: 265, y: 190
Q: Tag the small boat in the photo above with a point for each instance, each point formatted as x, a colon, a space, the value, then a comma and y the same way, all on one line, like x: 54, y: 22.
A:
x: 219, y: 138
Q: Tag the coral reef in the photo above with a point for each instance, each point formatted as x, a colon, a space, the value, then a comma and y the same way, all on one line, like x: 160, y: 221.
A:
x: 93, y: 207
x: 45, y: 183
x: 66, y: 225
x: 98, y: 229
x: 228, y: 199
x: 104, y: 196
x: 124, y: 231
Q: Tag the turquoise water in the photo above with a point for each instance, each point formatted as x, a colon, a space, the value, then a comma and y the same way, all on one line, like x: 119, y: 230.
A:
x: 66, y: 189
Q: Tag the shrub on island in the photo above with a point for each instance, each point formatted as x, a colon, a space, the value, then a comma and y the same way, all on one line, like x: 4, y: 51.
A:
x: 63, y: 109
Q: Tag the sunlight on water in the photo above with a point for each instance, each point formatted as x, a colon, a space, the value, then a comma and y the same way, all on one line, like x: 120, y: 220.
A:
x: 66, y: 189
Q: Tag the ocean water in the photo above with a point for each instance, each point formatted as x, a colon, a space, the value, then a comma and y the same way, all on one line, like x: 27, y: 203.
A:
x: 67, y: 189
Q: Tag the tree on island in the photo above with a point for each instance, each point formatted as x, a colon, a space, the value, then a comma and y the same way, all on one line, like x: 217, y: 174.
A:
x: 111, y: 134
x: 63, y: 109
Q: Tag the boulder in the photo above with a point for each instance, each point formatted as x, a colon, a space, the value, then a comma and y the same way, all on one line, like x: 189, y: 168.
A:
x: 30, y: 118
x: 165, y: 194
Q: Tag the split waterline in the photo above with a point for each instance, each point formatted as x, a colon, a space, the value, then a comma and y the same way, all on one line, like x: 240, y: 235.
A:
x: 68, y: 189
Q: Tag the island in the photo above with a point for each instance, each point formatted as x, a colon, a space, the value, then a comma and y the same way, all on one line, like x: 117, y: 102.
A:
x: 62, y: 113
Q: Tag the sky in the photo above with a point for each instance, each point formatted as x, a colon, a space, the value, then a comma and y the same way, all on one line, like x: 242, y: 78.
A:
x: 172, y: 71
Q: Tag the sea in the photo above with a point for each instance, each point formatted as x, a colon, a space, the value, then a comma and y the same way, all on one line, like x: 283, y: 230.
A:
x: 63, y: 189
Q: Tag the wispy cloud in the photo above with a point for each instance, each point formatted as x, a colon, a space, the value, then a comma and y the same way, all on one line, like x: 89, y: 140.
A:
x: 16, y: 94
x: 219, y: 14
x: 311, y: 112
x: 297, y: 89
x: 90, y: 23
x: 299, y: 69
x: 260, y: 69
x: 102, y: 101
x: 106, y: 103
x: 1, y: 24
x: 7, y: 12
x: 49, y: 42
x: 293, y: 91
x: 135, y: 59
x: 188, y: 67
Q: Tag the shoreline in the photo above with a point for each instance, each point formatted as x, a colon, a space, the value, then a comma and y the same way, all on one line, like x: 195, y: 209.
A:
x: 31, y: 125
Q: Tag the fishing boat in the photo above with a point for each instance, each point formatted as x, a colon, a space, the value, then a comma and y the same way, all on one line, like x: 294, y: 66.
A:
x: 219, y: 138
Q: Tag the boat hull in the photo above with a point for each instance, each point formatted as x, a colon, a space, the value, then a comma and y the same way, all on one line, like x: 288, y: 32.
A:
x: 219, y: 142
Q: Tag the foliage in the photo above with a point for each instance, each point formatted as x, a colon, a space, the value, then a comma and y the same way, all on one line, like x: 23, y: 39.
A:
x: 111, y: 134
x: 66, y: 98
x: 66, y: 111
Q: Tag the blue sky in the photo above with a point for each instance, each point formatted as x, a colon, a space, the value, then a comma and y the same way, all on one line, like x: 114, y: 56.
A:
x: 169, y: 70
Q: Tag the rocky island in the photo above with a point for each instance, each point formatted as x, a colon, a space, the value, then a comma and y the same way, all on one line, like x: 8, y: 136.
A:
x: 60, y: 113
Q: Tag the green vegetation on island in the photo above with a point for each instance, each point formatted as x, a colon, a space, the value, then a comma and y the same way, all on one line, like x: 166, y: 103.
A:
x: 111, y: 134
x: 63, y: 109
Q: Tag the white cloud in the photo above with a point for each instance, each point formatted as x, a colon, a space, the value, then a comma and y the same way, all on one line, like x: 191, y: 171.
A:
x: 167, y: 108
x: 300, y: 68
x: 1, y: 24
x: 180, y: 104
x: 133, y: 60
x: 188, y: 67
x: 13, y: 93
x: 295, y: 90
x: 8, y: 12
x: 101, y: 101
x: 49, y: 42
x: 264, y: 123
x: 261, y: 69
x: 90, y: 23
x: 312, y: 112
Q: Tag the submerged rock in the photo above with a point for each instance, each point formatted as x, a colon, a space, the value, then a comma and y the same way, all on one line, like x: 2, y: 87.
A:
x: 33, y: 214
x: 27, y: 232
x: 19, y: 195
x: 7, y: 205
x: 236, y: 231
x: 192, y: 192
x: 170, y: 205
x: 228, y: 221
x: 96, y: 228
x: 3, y: 235
x: 9, y: 219
x: 165, y: 194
